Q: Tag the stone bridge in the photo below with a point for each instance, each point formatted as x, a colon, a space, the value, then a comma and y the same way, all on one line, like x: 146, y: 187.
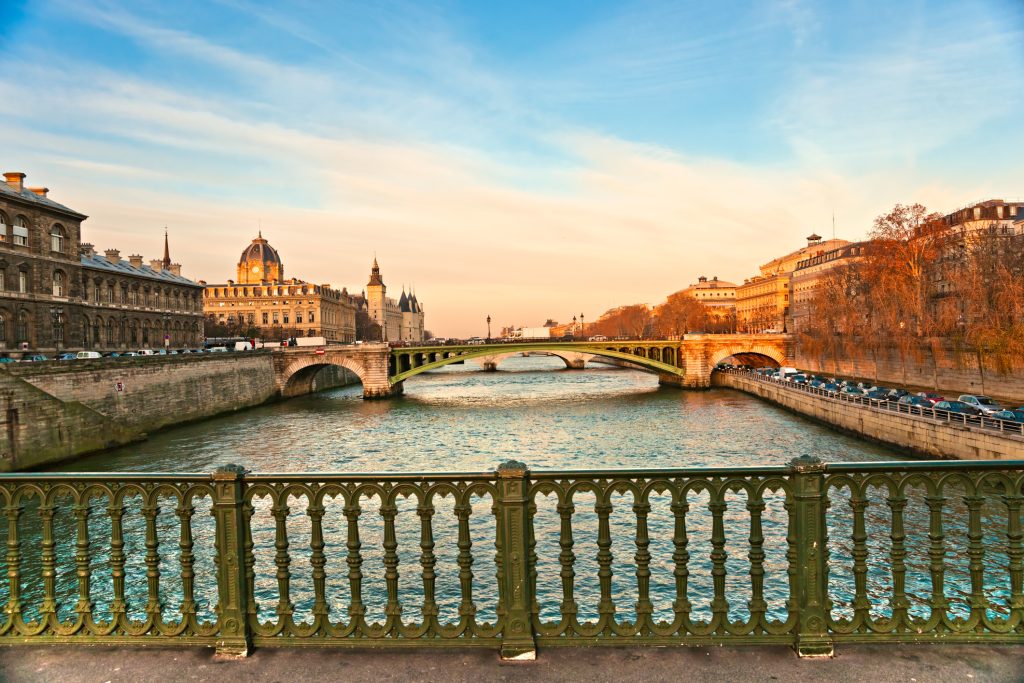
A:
x: 685, y: 362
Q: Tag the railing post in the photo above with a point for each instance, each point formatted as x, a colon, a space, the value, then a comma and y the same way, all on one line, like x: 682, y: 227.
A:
x: 809, y: 503
x: 517, y: 643
x: 233, y: 600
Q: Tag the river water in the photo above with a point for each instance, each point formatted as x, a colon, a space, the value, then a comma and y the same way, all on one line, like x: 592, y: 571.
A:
x: 459, y: 419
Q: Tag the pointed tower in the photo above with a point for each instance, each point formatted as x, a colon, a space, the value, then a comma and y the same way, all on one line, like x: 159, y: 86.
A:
x: 376, y: 292
x: 166, y: 263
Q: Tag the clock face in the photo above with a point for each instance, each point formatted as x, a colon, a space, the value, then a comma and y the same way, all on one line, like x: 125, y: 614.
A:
x: 255, y: 269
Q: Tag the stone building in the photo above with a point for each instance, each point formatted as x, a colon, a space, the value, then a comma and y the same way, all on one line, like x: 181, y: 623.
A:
x: 127, y: 304
x: 401, y: 320
x: 261, y: 298
x: 810, y: 274
x: 718, y: 297
x: 763, y: 301
x: 56, y: 294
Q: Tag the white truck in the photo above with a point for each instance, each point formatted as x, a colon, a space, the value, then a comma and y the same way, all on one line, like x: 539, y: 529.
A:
x: 535, y: 333
x: 311, y: 341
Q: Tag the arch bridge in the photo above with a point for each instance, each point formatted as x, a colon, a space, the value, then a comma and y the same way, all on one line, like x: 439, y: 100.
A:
x: 685, y: 362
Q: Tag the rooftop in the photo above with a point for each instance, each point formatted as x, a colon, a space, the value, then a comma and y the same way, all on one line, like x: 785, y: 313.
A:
x: 122, y: 267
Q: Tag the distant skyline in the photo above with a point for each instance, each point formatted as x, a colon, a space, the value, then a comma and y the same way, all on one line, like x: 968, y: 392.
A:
x: 522, y: 160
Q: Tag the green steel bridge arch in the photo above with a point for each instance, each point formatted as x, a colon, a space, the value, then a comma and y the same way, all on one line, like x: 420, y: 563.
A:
x: 662, y: 357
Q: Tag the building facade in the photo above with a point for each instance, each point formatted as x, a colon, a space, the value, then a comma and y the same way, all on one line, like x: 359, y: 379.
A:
x: 402, y: 320
x: 263, y: 300
x: 57, y: 295
x: 763, y: 301
x: 809, y: 277
x: 719, y: 298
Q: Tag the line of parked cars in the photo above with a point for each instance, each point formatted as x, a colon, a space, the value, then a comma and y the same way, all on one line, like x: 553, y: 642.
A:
x: 971, y: 405
x: 89, y: 355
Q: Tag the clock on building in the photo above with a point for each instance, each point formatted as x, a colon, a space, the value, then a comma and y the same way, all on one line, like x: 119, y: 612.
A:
x: 255, y: 269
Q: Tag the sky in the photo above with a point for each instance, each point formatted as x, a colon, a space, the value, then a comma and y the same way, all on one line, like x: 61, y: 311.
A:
x: 523, y: 160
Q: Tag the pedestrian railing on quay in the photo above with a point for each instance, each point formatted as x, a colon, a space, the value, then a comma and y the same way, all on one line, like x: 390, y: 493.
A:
x: 1008, y: 427
x: 807, y: 554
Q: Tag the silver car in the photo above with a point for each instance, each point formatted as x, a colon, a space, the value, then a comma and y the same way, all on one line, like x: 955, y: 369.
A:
x: 983, y: 403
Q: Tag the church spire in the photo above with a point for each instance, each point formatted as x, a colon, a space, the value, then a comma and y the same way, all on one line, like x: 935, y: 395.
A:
x: 167, y: 252
x: 375, y: 278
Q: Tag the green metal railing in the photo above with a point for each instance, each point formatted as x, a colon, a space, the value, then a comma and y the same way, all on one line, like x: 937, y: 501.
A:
x: 809, y: 554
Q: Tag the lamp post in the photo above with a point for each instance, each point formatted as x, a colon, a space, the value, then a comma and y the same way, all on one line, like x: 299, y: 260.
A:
x: 488, y: 328
x: 583, y: 328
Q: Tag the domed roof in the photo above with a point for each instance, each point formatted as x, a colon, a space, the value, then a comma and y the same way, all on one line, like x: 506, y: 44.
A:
x: 260, y: 250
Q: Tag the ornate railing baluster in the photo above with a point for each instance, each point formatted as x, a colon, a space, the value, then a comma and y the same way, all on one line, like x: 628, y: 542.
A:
x: 897, y: 555
x: 393, y: 610
x: 606, y: 606
x: 467, y: 609
x: 186, y: 559
x: 1015, y: 556
x: 13, y: 512
x: 81, y: 512
x: 758, y: 605
x: 354, y: 559
x: 976, y: 558
x: 811, y: 540
x: 252, y: 607
x: 427, y: 561
x: 859, y: 552
x: 937, y: 558
x: 48, y: 560
x: 282, y: 560
x: 644, y: 606
x: 118, y: 606
x: 567, y: 561
x: 680, y: 555
x: 149, y: 513
x: 719, y: 603
x: 318, y: 562
x: 531, y: 558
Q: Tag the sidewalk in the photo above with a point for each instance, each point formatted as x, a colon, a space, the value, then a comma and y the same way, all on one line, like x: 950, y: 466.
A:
x: 874, y: 663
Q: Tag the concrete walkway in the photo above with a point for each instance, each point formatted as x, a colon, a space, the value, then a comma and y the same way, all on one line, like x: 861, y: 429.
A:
x: 874, y: 663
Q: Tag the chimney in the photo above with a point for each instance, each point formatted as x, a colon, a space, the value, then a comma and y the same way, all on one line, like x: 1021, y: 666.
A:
x: 715, y: 278
x: 15, y: 180
x: 113, y: 255
x: 175, y: 269
x: 135, y: 260
x: 156, y: 264
x: 87, y: 249
x: 41, y: 191
x: 702, y: 278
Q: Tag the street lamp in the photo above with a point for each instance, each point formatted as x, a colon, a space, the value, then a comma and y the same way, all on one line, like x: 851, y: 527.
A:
x: 574, y: 328
x: 488, y: 328
x: 583, y: 327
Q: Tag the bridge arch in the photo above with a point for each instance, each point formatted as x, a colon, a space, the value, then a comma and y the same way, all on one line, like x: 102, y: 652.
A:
x: 574, y: 360
x: 750, y: 355
x: 298, y: 376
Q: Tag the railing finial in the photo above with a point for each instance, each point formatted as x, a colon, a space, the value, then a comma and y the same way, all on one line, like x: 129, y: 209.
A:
x: 230, y: 471
x: 807, y: 463
x: 513, y: 468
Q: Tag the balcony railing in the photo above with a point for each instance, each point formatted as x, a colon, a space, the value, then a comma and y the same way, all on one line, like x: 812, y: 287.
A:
x: 808, y: 554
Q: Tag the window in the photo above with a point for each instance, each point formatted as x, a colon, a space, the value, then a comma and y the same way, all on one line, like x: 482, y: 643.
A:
x: 3, y: 284
x: 110, y: 331
x: 22, y: 281
x: 3, y: 228
x: 22, y: 331
x: 124, y: 294
x: 57, y: 238
x: 265, y: 317
x: 110, y: 294
x: 58, y: 283
x: 286, y: 317
x: 21, y: 231
x: 298, y: 317
x: 96, y: 331
x: 58, y: 325
x: 312, y: 318
x: 3, y: 329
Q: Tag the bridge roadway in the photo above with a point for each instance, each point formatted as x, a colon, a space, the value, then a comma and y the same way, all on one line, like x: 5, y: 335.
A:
x: 685, y: 363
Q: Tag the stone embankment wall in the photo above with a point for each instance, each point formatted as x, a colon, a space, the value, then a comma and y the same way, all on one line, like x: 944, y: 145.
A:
x: 923, y: 436
x: 931, y: 367
x: 62, y: 410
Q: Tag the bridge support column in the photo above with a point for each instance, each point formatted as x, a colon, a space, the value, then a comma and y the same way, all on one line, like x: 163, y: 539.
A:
x: 374, y: 392
x: 490, y: 366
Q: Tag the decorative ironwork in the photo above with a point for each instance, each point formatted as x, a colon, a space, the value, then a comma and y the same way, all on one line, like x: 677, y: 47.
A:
x: 810, y: 554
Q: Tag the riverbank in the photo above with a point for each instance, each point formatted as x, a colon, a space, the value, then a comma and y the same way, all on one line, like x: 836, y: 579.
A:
x: 929, y: 438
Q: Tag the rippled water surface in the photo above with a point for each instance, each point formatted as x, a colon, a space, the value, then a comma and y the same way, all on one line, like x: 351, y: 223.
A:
x: 461, y: 419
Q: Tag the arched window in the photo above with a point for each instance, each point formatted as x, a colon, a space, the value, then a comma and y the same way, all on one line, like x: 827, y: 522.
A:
x: 145, y: 333
x: 57, y: 238
x: 97, y: 323
x: 133, y: 332
x: 20, y: 231
x: 58, y: 283
x: 3, y: 227
x: 110, y: 331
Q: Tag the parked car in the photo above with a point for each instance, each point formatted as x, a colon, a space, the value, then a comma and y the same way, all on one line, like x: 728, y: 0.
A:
x: 112, y: 354
x: 1009, y: 415
x: 66, y: 356
x: 932, y: 397
x: 599, y: 337
x: 7, y: 359
x: 983, y: 403
x: 958, y: 407
x: 131, y: 353
x: 86, y: 355
x: 37, y: 358
x: 878, y: 394
x: 831, y: 387
x: 145, y: 352
x: 914, y: 401
x: 851, y: 390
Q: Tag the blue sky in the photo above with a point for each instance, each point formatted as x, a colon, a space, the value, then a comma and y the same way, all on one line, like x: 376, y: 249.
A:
x: 519, y: 159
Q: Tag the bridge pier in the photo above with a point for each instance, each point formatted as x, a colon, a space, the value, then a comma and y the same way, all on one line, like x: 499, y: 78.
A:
x: 576, y: 364
x: 374, y: 393
x: 490, y: 366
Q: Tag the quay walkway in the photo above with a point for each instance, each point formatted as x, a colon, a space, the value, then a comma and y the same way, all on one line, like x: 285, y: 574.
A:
x: 877, y: 663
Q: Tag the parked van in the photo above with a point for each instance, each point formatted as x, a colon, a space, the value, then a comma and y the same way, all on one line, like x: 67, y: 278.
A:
x: 147, y: 352
x: 243, y: 346
x: 88, y: 354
